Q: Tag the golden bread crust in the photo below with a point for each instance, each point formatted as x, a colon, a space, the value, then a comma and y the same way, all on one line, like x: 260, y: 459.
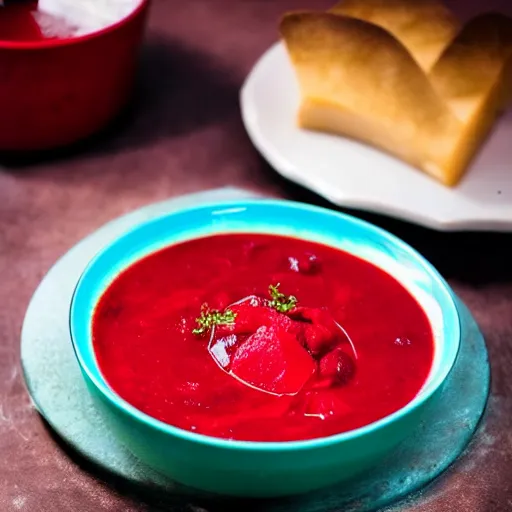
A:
x: 424, y: 27
x: 340, y: 60
x: 358, y: 78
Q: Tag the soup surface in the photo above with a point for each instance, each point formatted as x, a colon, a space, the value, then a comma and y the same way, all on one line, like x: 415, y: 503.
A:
x: 261, y: 337
x: 59, y: 19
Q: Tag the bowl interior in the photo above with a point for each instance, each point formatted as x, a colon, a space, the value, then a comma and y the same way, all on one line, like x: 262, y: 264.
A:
x: 277, y: 217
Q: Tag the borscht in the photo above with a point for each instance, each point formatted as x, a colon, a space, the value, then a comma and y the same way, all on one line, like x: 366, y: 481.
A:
x: 261, y: 337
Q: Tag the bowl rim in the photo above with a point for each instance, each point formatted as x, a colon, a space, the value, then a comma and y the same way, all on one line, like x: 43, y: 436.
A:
x: 274, y: 446
x: 46, y: 44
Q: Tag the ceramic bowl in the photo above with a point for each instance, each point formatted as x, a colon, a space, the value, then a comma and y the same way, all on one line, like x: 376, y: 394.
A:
x: 263, y: 469
x: 58, y: 91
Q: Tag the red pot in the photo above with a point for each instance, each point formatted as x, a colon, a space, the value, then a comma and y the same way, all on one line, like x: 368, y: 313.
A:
x: 56, y: 92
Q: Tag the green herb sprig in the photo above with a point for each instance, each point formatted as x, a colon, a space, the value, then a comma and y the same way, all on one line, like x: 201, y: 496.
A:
x: 211, y: 317
x: 281, y: 302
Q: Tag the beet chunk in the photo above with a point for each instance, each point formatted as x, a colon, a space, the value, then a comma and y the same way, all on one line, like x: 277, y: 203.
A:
x: 248, y: 320
x: 337, y: 366
x: 320, y: 333
x: 251, y: 314
x: 272, y: 360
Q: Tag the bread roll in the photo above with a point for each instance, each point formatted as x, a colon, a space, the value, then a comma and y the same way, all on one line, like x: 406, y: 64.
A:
x: 361, y: 80
x: 357, y: 80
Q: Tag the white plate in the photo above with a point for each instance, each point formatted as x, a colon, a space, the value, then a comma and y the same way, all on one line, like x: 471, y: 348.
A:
x: 354, y: 175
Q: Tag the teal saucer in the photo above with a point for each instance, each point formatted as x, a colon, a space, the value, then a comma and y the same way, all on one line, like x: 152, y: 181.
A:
x: 62, y: 399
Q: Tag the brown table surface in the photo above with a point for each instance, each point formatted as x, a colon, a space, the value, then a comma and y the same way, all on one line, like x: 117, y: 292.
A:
x: 184, y: 134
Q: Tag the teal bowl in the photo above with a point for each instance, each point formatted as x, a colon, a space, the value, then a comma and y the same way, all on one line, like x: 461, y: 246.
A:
x: 264, y: 469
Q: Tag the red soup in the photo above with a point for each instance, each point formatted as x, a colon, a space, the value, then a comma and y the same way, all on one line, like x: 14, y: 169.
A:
x: 262, y: 338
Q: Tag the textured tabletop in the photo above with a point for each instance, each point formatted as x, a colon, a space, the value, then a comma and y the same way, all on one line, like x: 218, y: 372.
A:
x: 183, y: 133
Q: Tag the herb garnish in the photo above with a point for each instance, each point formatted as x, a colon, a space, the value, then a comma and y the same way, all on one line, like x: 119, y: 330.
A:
x: 211, y: 317
x: 280, y: 302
